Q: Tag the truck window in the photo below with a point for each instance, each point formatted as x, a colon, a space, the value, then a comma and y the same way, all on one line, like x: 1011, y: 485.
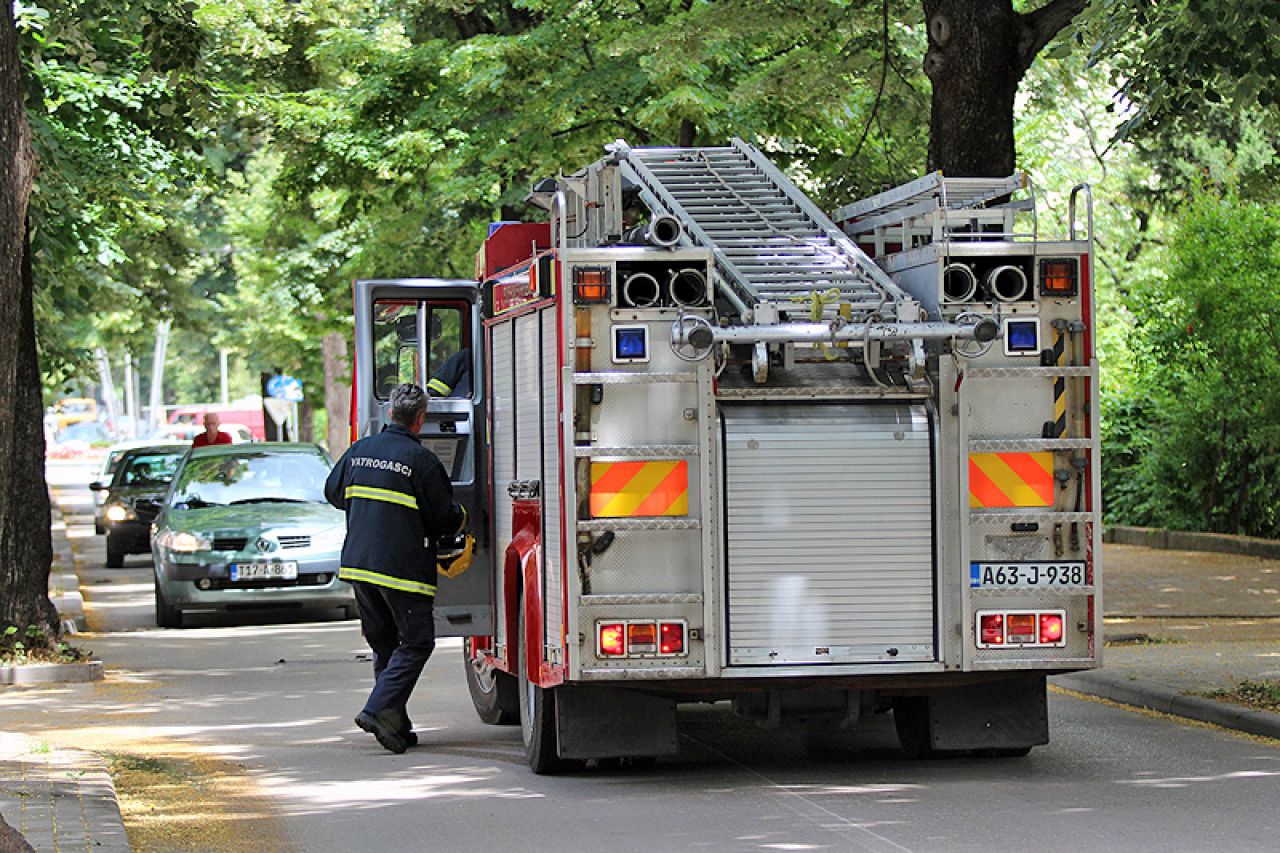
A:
x: 395, y: 344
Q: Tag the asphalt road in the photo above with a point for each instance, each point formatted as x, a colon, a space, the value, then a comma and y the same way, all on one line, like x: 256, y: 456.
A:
x: 278, y: 699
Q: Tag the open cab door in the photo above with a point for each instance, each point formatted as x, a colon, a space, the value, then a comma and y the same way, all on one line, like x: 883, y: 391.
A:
x: 427, y: 331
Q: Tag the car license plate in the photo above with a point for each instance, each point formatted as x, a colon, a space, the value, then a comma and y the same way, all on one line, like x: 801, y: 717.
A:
x: 1026, y: 575
x: 264, y: 571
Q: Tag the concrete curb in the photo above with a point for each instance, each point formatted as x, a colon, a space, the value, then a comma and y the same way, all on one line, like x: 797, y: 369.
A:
x: 1145, y: 695
x: 64, y: 580
x: 1186, y: 540
x: 52, y: 673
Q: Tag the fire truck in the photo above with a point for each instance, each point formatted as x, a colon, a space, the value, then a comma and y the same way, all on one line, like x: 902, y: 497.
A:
x: 722, y: 446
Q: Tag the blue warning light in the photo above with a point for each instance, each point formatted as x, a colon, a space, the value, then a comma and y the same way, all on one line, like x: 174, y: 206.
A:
x: 630, y: 343
x: 1022, y: 336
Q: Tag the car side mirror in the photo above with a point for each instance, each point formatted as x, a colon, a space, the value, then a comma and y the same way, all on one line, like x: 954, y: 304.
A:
x: 97, y: 486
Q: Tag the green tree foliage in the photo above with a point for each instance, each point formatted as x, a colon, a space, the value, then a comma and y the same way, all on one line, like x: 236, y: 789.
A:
x: 118, y: 107
x: 1200, y: 447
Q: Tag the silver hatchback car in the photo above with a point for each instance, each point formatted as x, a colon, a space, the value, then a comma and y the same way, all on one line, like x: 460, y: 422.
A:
x: 246, y: 527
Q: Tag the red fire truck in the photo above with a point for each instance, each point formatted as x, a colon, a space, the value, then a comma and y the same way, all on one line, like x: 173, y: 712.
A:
x: 720, y: 445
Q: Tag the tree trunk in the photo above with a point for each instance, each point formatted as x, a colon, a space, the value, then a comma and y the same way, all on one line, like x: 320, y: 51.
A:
x: 306, y: 428
x: 337, y: 392
x: 979, y: 51
x: 26, y: 550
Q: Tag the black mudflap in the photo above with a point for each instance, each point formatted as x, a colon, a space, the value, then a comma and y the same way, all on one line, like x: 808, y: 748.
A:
x: 613, y: 722
x: 1008, y: 714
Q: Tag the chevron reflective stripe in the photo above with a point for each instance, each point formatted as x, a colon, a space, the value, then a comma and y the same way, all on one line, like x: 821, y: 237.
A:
x: 629, y: 489
x: 1059, y: 386
x: 1010, y: 479
x: 439, y: 387
x: 385, y: 495
x: 347, y: 573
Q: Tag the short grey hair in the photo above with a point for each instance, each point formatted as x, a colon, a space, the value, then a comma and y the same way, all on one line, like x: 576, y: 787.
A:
x: 407, y: 402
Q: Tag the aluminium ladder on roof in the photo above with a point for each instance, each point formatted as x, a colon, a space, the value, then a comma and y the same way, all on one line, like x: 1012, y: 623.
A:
x: 771, y: 243
x: 935, y: 208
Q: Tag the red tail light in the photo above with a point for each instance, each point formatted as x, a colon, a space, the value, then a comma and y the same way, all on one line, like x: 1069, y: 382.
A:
x: 1050, y: 628
x: 671, y: 638
x: 613, y: 639
x: 992, y: 629
x: 1015, y: 629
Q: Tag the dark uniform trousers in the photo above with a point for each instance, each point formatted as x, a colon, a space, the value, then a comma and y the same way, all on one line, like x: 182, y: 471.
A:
x: 399, y: 628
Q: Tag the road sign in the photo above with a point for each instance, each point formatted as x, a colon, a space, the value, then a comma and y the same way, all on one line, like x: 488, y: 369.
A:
x: 284, y: 387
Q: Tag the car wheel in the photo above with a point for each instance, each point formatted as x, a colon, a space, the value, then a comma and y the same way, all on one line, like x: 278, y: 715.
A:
x: 115, y: 553
x: 167, y: 616
x: 99, y: 528
x: 494, y: 693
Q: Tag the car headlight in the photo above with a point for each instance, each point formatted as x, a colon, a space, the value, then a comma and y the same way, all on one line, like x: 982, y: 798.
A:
x: 182, y: 542
x: 118, y: 512
x: 331, y: 538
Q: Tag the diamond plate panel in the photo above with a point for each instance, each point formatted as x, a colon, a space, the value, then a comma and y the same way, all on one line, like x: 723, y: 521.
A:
x: 644, y: 562
x: 691, y: 665
x: 1074, y: 602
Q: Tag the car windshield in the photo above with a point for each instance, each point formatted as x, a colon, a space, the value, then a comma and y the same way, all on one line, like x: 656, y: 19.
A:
x: 147, y: 469
x: 260, y: 476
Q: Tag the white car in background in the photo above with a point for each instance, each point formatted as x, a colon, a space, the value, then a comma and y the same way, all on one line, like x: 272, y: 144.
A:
x: 240, y: 434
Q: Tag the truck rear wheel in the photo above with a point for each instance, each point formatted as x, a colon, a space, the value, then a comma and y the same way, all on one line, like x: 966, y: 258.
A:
x: 495, y: 694
x: 537, y: 715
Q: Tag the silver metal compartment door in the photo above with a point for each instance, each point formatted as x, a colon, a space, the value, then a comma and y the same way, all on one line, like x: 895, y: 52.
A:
x: 829, y: 520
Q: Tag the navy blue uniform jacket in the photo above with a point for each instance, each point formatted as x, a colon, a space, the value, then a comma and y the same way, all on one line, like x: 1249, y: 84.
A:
x: 398, y: 501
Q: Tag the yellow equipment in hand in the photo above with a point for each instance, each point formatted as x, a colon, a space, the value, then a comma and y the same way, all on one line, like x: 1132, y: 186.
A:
x: 453, y: 557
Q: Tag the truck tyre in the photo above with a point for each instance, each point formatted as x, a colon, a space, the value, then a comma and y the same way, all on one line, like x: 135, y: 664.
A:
x: 115, y: 554
x: 167, y: 616
x: 495, y: 694
x: 911, y: 719
x: 537, y: 715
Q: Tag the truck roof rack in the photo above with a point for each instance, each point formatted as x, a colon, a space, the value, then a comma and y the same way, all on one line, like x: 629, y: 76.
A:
x: 936, y: 208
x: 770, y: 242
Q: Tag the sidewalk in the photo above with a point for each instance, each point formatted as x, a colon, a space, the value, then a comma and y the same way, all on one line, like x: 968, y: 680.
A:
x: 58, y: 799
x: 1180, y: 624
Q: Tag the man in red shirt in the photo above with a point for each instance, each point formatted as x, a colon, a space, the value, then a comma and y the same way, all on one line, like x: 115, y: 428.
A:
x: 211, y: 434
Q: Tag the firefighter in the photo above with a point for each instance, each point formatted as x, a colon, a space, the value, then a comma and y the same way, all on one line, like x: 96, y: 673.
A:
x: 398, y: 501
x: 453, y: 379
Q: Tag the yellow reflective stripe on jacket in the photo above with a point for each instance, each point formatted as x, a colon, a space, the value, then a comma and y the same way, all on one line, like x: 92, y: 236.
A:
x: 387, y: 495
x: 439, y: 387
x: 347, y: 573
